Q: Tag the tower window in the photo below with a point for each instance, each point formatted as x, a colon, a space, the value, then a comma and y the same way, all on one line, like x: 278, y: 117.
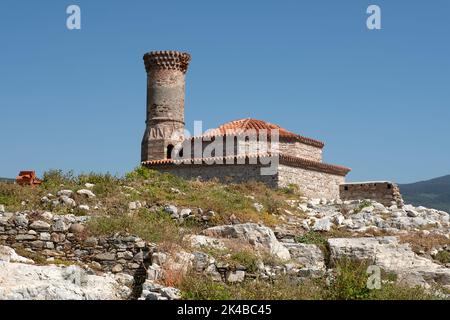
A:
x: 169, y: 151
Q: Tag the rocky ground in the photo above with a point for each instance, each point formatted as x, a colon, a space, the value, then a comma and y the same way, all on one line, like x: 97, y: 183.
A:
x: 88, y: 254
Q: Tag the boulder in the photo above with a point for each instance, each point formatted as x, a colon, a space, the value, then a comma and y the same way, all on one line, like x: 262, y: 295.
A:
x: 309, y: 256
x: 30, y: 282
x: 184, y: 213
x: 67, y: 193
x: 200, y: 241
x: 76, y: 228
x: 392, y: 256
x: 172, y: 210
x: 8, y: 254
x: 87, y: 193
x: 322, y: 225
x: 260, y: 237
x: 69, y: 202
x: 236, y: 276
x: 84, y: 207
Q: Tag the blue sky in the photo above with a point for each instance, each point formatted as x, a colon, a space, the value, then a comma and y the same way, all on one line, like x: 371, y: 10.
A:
x: 379, y: 99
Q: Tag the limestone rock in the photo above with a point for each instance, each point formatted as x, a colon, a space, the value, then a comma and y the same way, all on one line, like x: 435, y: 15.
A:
x: 260, y: 237
x: 258, y: 206
x: 185, y: 213
x: 84, y: 207
x: 236, y: 276
x: 8, y: 254
x: 322, y: 225
x: 172, y: 210
x: 30, y: 282
x: 107, y: 256
x: 40, y: 226
x: 309, y: 256
x: 67, y: 193
x: 59, y: 226
x: 69, y: 202
x: 390, y: 255
x: 201, y: 241
x: 21, y: 220
x: 87, y: 193
x: 76, y: 228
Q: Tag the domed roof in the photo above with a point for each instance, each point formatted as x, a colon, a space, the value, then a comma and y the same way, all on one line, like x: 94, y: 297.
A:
x: 243, y: 125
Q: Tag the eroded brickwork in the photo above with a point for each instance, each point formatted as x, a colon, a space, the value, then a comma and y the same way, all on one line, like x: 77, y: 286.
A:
x: 165, y: 102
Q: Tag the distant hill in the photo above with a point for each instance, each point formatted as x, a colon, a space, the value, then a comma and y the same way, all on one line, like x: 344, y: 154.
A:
x: 434, y: 193
x: 7, y: 180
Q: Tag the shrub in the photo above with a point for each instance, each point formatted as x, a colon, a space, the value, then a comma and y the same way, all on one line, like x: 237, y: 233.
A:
x: 54, y: 179
x: 443, y: 257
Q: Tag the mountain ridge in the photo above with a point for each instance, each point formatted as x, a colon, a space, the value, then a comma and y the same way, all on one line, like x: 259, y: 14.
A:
x: 433, y: 193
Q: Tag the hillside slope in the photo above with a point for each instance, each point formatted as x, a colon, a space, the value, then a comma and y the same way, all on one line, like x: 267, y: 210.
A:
x: 434, y: 193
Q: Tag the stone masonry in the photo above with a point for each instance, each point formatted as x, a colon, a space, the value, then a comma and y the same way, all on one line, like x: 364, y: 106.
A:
x: 298, y: 158
x: 384, y: 192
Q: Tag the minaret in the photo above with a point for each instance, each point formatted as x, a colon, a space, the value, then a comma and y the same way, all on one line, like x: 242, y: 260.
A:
x: 165, y: 103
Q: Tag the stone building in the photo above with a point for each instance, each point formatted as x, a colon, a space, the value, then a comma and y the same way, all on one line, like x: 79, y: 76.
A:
x: 241, y: 150
x: 384, y: 192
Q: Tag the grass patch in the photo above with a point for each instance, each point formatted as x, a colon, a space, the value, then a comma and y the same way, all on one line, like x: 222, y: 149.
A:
x: 443, y: 257
x: 154, y: 227
x: 362, y: 205
x: 40, y: 259
x: 420, y: 242
x: 349, y: 283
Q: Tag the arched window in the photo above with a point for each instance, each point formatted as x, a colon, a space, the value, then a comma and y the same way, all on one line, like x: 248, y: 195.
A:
x: 169, y: 151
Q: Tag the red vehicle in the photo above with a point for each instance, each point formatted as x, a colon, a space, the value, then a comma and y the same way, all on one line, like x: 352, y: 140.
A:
x: 27, y: 178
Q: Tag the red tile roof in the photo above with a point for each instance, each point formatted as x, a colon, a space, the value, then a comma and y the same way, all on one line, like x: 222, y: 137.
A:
x: 244, y: 125
x: 284, y: 159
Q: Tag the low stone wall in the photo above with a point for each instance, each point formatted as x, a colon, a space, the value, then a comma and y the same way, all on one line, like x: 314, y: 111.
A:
x: 384, y: 192
x: 64, y: 237
x: 313, y: 184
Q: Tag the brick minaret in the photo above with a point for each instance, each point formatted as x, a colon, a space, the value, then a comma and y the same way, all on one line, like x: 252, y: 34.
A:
x: 165, y: 103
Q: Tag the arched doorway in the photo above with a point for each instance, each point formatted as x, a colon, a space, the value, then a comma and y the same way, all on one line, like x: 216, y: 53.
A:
x: 169, y: 151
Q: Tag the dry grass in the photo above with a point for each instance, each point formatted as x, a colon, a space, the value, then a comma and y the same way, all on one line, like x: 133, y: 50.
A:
x: 349, y: 283
x: 420, y: 242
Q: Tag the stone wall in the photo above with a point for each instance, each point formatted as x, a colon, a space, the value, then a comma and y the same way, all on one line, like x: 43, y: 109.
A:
x: 384, y: 192
x: 301, y: 150
x: 291, y: 148
x: 63, y: 237
x: 313, y: 184
x: 225, y: 172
